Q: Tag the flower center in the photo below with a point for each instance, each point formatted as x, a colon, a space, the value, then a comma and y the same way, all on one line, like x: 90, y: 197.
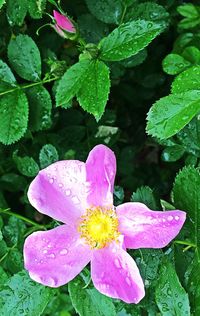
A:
x: 99, y: 226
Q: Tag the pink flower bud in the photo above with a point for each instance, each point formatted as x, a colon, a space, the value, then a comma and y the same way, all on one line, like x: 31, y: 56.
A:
x: 63, y: 23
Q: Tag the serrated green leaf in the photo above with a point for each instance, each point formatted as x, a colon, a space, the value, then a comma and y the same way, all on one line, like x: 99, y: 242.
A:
x: 71, y: 82
x: 24, y: 56
x: 171, y: 113
x: 94, y: 90
x: 13, y: 116
x: 135, y: 60
x: 189, y: 137
x: 36, y: 8
x: 6, y: 74
x: 40, y: 108
x: 173, y: 64
x: 14, y: 231
x: 186, y: 197
x: 171, y: 297
x: 21, y: 296
x: 193, y: 286
x: 89, y: 301
x: 187, y: 80
x: 145, y: 195
x: 48, y: 155
x: 173, y: 153
x: 128, y: 39
x: 26, y: 165
x: 16, y: 11
x: 108, y: 11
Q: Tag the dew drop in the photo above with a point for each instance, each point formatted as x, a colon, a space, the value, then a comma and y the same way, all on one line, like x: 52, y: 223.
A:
x: 117, y: 263
x: 128, y: 281
x: 176, y: 218
x: 68, y: 192
x: 45, y: 251
x: 52, y: 255
x: 63, y: 252
x: 170, y: 218
x: 51, y: 180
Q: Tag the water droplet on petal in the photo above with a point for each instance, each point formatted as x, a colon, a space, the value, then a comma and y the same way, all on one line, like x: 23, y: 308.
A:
x: 44, y: 251
x: 170, y: 218
x: 128, y: 281
x: 176, y: 218
x: 68, y: 192
x: 63, y: 252
x: 117, y: 263
x: 51, y: 180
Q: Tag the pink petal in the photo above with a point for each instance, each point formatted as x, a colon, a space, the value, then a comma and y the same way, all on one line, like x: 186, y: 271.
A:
x: 59, y: 30
x: 55, y: 257
x: 101, y: 170
x: 115, y: 274
x: 143, y: 228
x: 60, y: 191
x: 63, y: 22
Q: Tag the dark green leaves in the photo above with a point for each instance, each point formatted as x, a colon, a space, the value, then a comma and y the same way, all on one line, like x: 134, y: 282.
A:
x: 186, y: 197
x: 89, y: 301
x: 171, y: 113
x: 13, y: 116
x: 187, y: 80
x: 21, y: 296
x: 48, y: 155
x: 171, y: 297
x: 24, y: 57
x: 174, y: 64
x: 26, y: 165
x: 108, y: 11
x: 128, y: 39
x: 94, y: 91
x: 16, y: 11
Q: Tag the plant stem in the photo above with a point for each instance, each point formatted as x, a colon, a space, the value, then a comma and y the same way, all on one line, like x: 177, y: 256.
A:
x: 30, y: 85
x: 5, y: 255
x: 186, y: 243
x: 27, y: 220
x: 123, y: 14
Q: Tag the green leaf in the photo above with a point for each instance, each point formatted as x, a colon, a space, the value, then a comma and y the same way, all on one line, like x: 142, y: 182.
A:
x: 171, y: 113
x: 14, y: 231
x: 89, y: 301
x: 36, y: 8
x: 40, y: 108
x: 188, y: 10
x: 16, y: 11
x: 21, y: 296
x: 2, y: 3
x: 174, y: 64
x: 94, y: 91
x: 135, y: 60
x: 171, y: 297
x: 148, y: 11
x: 173, y: 153
x: 189, y: 137
x: 192, y: 54
x: 118, y: 195
x: 108, y: 11
x: 71, y: 82
x: 48, y: 155
x: 24, y: 56
x: 193, y: 286
x: 186, y: 197
x: 26, y: 165
x: 14, y: 261
x: 128, y: 39
x: 145, y: 195
x: 6, y: 75
x: 13, y: 116
x: 187, y: 80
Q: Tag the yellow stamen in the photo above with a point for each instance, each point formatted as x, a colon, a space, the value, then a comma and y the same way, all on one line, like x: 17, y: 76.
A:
x: 99, y: 227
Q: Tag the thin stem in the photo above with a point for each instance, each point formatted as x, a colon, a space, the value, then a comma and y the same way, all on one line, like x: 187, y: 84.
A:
x: 30, y: 85
x: 186, y: 243
x: 186, y: 248
x: 5, y: 255
x: 27, y: 220
x: 123, y: 14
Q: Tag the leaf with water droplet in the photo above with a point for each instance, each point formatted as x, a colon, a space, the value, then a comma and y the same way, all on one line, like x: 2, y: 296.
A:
x: 24, y: 56
x: 48, y: 155
x: 13, y: 116
x: 173, y: 64
x: 21, y: 296
x: 107, y: 11
x: 128, y: 39
x: 187, y: 80
x: 26, y: 165
x: 16, y: 11
x: 171, y: 113
x: 94, y: 91
x: 88, y: 301
x: 36, y: 8
x: 171, y: 297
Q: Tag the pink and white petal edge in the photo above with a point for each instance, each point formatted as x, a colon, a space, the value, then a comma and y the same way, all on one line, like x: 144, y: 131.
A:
x: 144, y: 228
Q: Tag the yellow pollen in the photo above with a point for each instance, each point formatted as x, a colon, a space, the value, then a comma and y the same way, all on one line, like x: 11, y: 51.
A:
x: 99, y: 227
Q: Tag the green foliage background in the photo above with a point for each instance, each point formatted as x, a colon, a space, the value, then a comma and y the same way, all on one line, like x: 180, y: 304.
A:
x: 130, y: 80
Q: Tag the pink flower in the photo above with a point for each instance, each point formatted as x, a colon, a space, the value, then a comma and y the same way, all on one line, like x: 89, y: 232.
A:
x: 81, y: 196
x: 63, y: 24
